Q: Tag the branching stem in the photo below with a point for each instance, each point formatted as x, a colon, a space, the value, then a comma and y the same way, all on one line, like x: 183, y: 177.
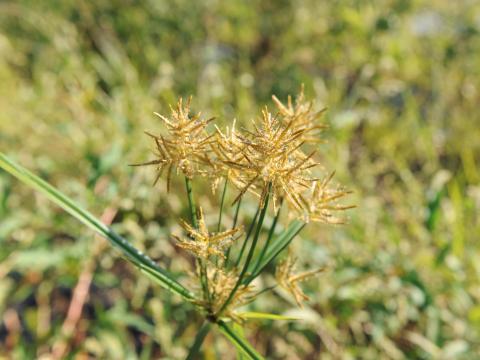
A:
x: 249, y: 232
x: 221, y: 205
x: 197, y: 344
x: 193, y: 215
x: 235, y: 220
x: 251, y: 251
x: 269, y: 238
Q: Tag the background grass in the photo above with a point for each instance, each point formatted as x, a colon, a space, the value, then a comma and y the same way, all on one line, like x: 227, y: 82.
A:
x: 79, y: 81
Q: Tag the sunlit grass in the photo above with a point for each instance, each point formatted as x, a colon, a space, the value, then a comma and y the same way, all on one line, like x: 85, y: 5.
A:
x: 79, y: 85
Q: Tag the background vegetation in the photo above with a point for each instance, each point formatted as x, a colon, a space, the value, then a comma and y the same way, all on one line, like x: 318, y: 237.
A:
x: 79, y: 81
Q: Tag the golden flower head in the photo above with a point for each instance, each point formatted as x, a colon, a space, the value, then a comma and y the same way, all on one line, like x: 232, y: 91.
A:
x: 271, y: 156
x: 323, y: 205
x: 301, y: 113
x: 288, y: 280
x: 225, y: 146
x: 268, y: 160
x: 185, y: 147
x: 203, y: 244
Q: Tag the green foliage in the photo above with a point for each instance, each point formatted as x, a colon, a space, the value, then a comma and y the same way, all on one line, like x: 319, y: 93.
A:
x: 79, y: 82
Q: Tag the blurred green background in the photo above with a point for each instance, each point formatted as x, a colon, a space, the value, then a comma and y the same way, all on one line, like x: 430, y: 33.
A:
x: 79, y: 82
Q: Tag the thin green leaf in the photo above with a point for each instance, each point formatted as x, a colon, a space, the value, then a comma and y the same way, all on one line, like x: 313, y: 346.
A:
x: 239, y: 341
x: 278, y: 245
x: 133, y: 255
x: 166, y: 281
x: 266, y: 316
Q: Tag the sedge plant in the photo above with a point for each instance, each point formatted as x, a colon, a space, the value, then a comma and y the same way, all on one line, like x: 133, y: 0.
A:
x: 275, y: 162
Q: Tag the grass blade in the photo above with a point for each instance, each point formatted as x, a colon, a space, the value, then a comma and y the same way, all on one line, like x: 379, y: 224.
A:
x: 165, y: 280
x: 133, y: 255
x: 239, y: 341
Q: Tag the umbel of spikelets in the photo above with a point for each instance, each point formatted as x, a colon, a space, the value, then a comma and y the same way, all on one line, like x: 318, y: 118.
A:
x: 185, y: 146
x: 273, y: 158
x: 203, y: 244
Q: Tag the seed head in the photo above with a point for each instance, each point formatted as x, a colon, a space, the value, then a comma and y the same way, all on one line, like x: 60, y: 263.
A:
x: 220, y: 283
x: 203, y: 244
x: 323, y: 204
x: 289, y: 281
x: 269, y: 155
x: 272, y: 155
x: 226, y: 145
x: 301, y: 115
x: 185, y: 148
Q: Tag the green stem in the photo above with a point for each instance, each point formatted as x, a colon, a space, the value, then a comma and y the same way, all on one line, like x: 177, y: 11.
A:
x: 269, y: 238
x: 237, y: 211
x: 239, y: 341
x: 235, y: 219
x: 249, y: 232
x: 264, y: 290
x: 191, y: 203
x: 197, y: 344
x: 193, y: 215
x: 251, y: 251
x: 221, y: 211
x: 221, y: 204
x: 282, y: 243
x: 204, y: 279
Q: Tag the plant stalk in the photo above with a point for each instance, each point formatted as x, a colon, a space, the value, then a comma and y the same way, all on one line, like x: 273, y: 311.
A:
x: 269, y: 238
x: 191, y: 203
x: 249, y: 232
x: 193, y: 215
x: 277, y: 248
x: 251, y: 251
x: 235, y: 220
x: 221, y: 204
x: 193, y: 354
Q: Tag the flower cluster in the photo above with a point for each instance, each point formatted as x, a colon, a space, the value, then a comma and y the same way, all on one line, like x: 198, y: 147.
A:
x: 274, y: 160
x: 203, y: 244
x: 272, y: 154
x: 288, y: 280
x: 220, y: 284
x: 186, y: 146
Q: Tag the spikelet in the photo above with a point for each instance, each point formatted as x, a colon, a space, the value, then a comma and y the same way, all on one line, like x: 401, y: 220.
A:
x: 288, y: 280
x: 301, y: 116
x: 271, y: 155
x: 220, y: 284
x: 203, y: 244
x: 186, y: 146
x: 225, y: 146
x: 323, y: 204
